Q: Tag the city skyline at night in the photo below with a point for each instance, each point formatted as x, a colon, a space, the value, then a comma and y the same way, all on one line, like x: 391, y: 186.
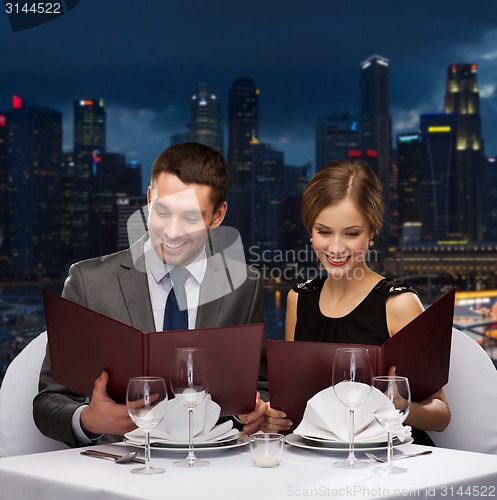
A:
x: 305, y: 59
x: 283, y: 73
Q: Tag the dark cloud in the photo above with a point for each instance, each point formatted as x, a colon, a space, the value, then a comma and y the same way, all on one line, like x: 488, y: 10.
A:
x: 146, y: 57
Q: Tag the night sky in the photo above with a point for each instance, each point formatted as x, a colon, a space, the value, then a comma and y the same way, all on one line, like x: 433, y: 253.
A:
x: 145, y: 58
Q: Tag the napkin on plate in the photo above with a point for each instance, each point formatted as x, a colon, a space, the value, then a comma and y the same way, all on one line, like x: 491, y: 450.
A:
x: 174, y: 426
x: 325, y: 417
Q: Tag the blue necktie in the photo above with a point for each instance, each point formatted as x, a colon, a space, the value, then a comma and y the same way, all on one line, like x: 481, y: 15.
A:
x: 176, y: 313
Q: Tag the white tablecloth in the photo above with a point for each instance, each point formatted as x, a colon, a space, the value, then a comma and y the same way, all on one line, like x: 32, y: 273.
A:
x: 302, y: 474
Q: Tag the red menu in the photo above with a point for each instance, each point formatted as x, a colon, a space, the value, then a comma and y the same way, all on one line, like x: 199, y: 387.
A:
x: 83, y: 342
x: 420, y: 351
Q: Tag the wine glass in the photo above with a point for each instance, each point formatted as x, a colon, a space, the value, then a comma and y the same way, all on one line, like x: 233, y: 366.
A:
x: 146, y: 400
x: 190, y: 384
x: 396, y: 389
x: 352, y: 379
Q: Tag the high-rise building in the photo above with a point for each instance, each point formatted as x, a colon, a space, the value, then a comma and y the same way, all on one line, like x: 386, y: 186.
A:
x: 89, y: 136
x: 490, y: 200
x: 409, y: 161
x: 131, y: 184
x: 4, y: 186
x: 131, y: 220
x: 67, y: 210
x: 89, y: 126
x: 239, y: 214
x: 267, y: 197
x: 462, y: 99
x: 107, y: 178
x: 181, y: 137
x: 206, y: 118
x: 295, y: 235
x: 34, y: 164
x: 243, y: 129
x: 439, y: 197
x: 376, y: 126
x: 337, y: 134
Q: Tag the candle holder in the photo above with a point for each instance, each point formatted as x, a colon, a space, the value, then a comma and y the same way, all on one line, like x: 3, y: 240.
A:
x: 266, y: 448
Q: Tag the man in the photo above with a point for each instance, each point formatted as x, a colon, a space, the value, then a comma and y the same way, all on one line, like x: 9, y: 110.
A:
x: 186, y: 203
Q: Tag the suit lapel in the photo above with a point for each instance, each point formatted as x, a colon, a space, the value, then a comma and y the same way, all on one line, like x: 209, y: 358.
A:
x: 212, y: 285
x: 134, y: 288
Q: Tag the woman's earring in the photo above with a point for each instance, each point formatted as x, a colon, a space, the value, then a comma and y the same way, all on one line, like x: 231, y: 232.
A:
x: 371, y: 243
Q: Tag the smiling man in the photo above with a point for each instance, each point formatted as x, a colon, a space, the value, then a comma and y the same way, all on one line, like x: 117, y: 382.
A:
x: 186, y: 205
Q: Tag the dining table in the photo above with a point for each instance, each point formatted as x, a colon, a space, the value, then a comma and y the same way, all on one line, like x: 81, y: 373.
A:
x: 231, y: 475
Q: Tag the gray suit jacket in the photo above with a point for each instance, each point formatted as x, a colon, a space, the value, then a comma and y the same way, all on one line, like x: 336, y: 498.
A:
x: 112, y: 285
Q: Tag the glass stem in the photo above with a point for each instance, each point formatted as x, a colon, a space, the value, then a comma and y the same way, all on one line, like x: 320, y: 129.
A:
x: 147, y: 449
x: 351, y: 458
x: 191, y: 456
x: 390, y: 452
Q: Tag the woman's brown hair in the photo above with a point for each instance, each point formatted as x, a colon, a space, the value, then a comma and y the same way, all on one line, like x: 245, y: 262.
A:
x: 340, y: 180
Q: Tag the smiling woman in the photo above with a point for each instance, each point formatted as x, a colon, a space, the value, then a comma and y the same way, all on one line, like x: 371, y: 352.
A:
x: 342, y: 208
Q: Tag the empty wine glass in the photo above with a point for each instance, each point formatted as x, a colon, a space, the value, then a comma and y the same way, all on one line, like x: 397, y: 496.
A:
x: 190, y: 384
x: 352, y: 379
x: 146, y: 400
x: 396, y: 389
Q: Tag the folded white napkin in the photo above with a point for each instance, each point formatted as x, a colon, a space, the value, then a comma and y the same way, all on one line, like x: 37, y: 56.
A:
x: 174, y: 426
x: 326, y: 417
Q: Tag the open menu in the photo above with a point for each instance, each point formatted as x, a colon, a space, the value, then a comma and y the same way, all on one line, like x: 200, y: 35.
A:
x: 83, y: 342
x: 420, y: 351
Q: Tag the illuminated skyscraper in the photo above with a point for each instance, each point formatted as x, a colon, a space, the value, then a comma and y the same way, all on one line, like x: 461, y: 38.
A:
x: 34, y: 163
x: 4, y: 186
x: 267, y: 197
x: 490, y: 199
x: 89, y: 126
x: 206, y: 118
x: 462, y: 99
x: 409, y: 161
x: 243, y: 117
x: 376, y: 129
x: 337, y: 134
x: 438, y: 178
x: 89, y: 136
x: 107, y: 178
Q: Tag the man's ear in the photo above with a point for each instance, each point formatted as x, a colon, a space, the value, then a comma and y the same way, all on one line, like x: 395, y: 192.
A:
x: 149, y: 195
x: 219, y: 215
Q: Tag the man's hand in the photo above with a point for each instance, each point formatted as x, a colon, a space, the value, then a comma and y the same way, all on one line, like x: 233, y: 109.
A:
x: 103, y: 415
x: 254, y: 420
x: 275, y: 421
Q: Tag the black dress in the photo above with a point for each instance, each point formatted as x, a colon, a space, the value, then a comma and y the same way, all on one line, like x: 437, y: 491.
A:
x: 366, y: 324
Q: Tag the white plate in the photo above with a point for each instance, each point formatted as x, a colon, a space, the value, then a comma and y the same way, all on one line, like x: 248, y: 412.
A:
x: 336, y: 443
x: 242, y: 440
x: 231, y: 436
x: 334, y: 446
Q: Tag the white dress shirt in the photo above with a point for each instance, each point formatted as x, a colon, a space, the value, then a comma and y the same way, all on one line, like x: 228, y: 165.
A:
x: 160, y: 284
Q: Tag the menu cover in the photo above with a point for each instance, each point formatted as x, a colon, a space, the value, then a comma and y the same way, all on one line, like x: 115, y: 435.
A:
x: 420, y: 351
x: 83, y: 342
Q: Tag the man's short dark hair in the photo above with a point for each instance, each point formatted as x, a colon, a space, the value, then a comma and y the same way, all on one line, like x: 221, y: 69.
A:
x: 195, y: 163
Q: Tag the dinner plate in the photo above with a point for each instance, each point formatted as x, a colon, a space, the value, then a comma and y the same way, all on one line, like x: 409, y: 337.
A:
x: 236, y: 442
x: 334, y: 442
x: 334, y: 446
x: 231, y: 436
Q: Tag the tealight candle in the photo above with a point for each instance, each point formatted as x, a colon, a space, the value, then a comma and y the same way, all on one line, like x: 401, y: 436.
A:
x: 266, y: 460
x: 266, y: 449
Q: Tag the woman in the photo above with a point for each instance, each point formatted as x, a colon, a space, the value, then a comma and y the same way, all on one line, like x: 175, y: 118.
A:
x: 342, y: 209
